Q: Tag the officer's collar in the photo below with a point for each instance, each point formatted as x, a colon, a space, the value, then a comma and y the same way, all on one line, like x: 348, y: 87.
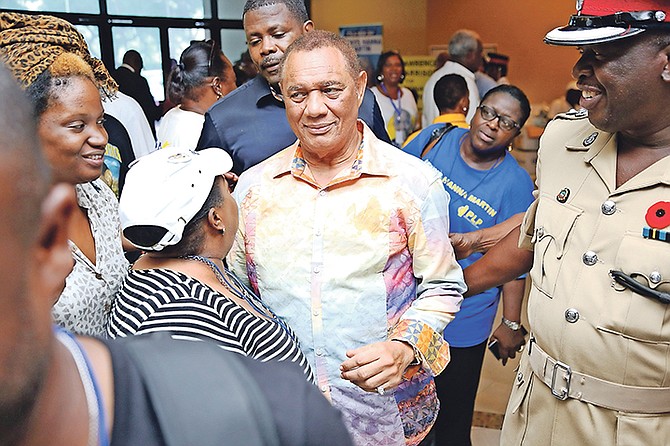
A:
x: 590, y: 140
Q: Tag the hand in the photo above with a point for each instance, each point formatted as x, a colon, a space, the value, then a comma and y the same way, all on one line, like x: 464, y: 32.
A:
x: 464, y: 244
x: 509, y: 342
x: 378, y: 364
x: 231, y: 179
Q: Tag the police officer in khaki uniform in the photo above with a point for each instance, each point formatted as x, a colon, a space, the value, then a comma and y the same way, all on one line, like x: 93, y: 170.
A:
x: 597, y: 368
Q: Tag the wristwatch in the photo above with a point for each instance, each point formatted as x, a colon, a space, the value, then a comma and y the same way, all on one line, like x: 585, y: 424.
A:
x: 514, y: 326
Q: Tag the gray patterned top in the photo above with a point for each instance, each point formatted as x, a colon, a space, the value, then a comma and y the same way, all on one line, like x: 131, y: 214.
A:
x: 84, y: 305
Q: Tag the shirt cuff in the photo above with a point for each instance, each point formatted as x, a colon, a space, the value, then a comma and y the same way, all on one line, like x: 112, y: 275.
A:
x: 433, y: 349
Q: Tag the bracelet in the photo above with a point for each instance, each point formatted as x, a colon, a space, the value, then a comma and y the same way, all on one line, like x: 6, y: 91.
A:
x: 514, y: 326
x: 417, y: 353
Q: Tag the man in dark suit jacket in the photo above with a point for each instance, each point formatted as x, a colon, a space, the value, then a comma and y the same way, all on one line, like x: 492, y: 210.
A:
x: 134, y: 85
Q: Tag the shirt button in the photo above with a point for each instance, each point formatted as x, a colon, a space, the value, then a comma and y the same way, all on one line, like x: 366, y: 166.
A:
x: 322, y: 193
x: 324, y: 388
x: 571, y: 315
x: 590, y: 258
x: 655, y: 277
x: 318, y: 233
x: 98, y: 276
x: 319, y: 351
x: 315, y: 312
x: 540, y: 232
x: 608, y: 207
x: 317, y: 270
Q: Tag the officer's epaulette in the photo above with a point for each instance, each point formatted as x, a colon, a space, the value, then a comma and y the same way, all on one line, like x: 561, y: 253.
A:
x: 573, y: 114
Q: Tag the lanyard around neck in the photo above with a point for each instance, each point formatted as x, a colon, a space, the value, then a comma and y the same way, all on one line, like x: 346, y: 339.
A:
x: 397, y: 108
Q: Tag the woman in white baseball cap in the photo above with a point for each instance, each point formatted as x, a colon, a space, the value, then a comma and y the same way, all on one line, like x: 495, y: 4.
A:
x: 176, y: 206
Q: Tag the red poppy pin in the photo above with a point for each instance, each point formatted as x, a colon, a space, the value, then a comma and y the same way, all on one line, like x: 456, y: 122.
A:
x: 658, y: 218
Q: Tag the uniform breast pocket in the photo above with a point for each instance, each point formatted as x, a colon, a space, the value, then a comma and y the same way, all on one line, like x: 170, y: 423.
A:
x: 637, y: 316
x: 553, y: 224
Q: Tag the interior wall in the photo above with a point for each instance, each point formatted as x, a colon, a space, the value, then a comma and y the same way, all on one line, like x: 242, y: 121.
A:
x: 516, y: 26
x: 403, y: 21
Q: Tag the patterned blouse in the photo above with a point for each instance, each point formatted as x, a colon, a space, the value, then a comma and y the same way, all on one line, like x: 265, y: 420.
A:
x: 365, y: 259
x: 155, y: 300
x: 84, y: 305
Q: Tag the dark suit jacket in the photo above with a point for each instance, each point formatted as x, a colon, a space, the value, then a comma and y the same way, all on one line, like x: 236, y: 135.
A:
x: 137, y: 88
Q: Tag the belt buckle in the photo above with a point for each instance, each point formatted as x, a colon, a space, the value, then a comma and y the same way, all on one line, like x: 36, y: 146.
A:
x: 564, y: 391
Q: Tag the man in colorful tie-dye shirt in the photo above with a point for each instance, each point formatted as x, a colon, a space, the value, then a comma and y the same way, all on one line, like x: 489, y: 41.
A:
x: 346, y: 237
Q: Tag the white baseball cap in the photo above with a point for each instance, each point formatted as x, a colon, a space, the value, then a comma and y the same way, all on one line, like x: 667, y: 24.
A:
x: 165, y: 190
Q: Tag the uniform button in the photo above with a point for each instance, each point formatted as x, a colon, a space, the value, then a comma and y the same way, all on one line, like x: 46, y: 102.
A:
x: 608, y: 207
x: 540, y: 232
x: 655, y: 277
x: 571, y: 315
x: 519, y: 377
x: 590, y: 258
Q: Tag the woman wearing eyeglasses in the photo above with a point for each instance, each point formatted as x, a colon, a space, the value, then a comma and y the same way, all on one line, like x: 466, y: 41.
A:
x: 486, y: 186
x: 203, y: 75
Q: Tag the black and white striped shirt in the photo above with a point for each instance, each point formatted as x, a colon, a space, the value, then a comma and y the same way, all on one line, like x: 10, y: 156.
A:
x: 157, y: 300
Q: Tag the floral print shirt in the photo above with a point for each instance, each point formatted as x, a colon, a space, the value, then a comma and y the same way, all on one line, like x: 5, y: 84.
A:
x: 84, y: 305
x: 365, y: 259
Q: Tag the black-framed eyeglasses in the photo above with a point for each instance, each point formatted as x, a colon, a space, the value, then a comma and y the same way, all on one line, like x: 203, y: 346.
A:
x: 505, y: 122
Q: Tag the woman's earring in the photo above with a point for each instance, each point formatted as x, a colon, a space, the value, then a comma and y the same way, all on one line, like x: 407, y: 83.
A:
x: 223, y: 231
x: 380, y: 77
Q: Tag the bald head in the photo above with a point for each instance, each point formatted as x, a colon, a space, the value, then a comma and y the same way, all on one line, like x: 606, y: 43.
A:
x: 133, y: 59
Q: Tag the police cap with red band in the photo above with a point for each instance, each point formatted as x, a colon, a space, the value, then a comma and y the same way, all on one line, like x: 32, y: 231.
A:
x: 599, y: 21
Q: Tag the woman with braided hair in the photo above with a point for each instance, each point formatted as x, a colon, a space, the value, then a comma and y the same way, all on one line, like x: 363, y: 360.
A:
x: 52, y: 63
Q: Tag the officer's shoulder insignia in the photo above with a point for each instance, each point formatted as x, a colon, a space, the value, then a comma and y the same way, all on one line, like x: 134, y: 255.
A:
x: 573, y: 114
x: 590, y: 139
x: 563, y: 195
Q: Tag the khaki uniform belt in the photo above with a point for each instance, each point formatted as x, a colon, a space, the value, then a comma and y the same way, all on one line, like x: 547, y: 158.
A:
x: 566, y: 383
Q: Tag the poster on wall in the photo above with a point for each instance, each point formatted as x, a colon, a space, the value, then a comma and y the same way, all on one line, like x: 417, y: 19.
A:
x: 367, y: 40
x: 417, y: 71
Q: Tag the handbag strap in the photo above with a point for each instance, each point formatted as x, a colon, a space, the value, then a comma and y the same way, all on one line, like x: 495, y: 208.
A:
x: 435, y: 137
x: 201, y: 394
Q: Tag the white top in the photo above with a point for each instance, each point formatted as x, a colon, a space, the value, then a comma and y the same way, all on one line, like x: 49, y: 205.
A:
x: 400, y: 115
x: 130, y: 114
x: 430, y: 111
x: 180, y: 128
